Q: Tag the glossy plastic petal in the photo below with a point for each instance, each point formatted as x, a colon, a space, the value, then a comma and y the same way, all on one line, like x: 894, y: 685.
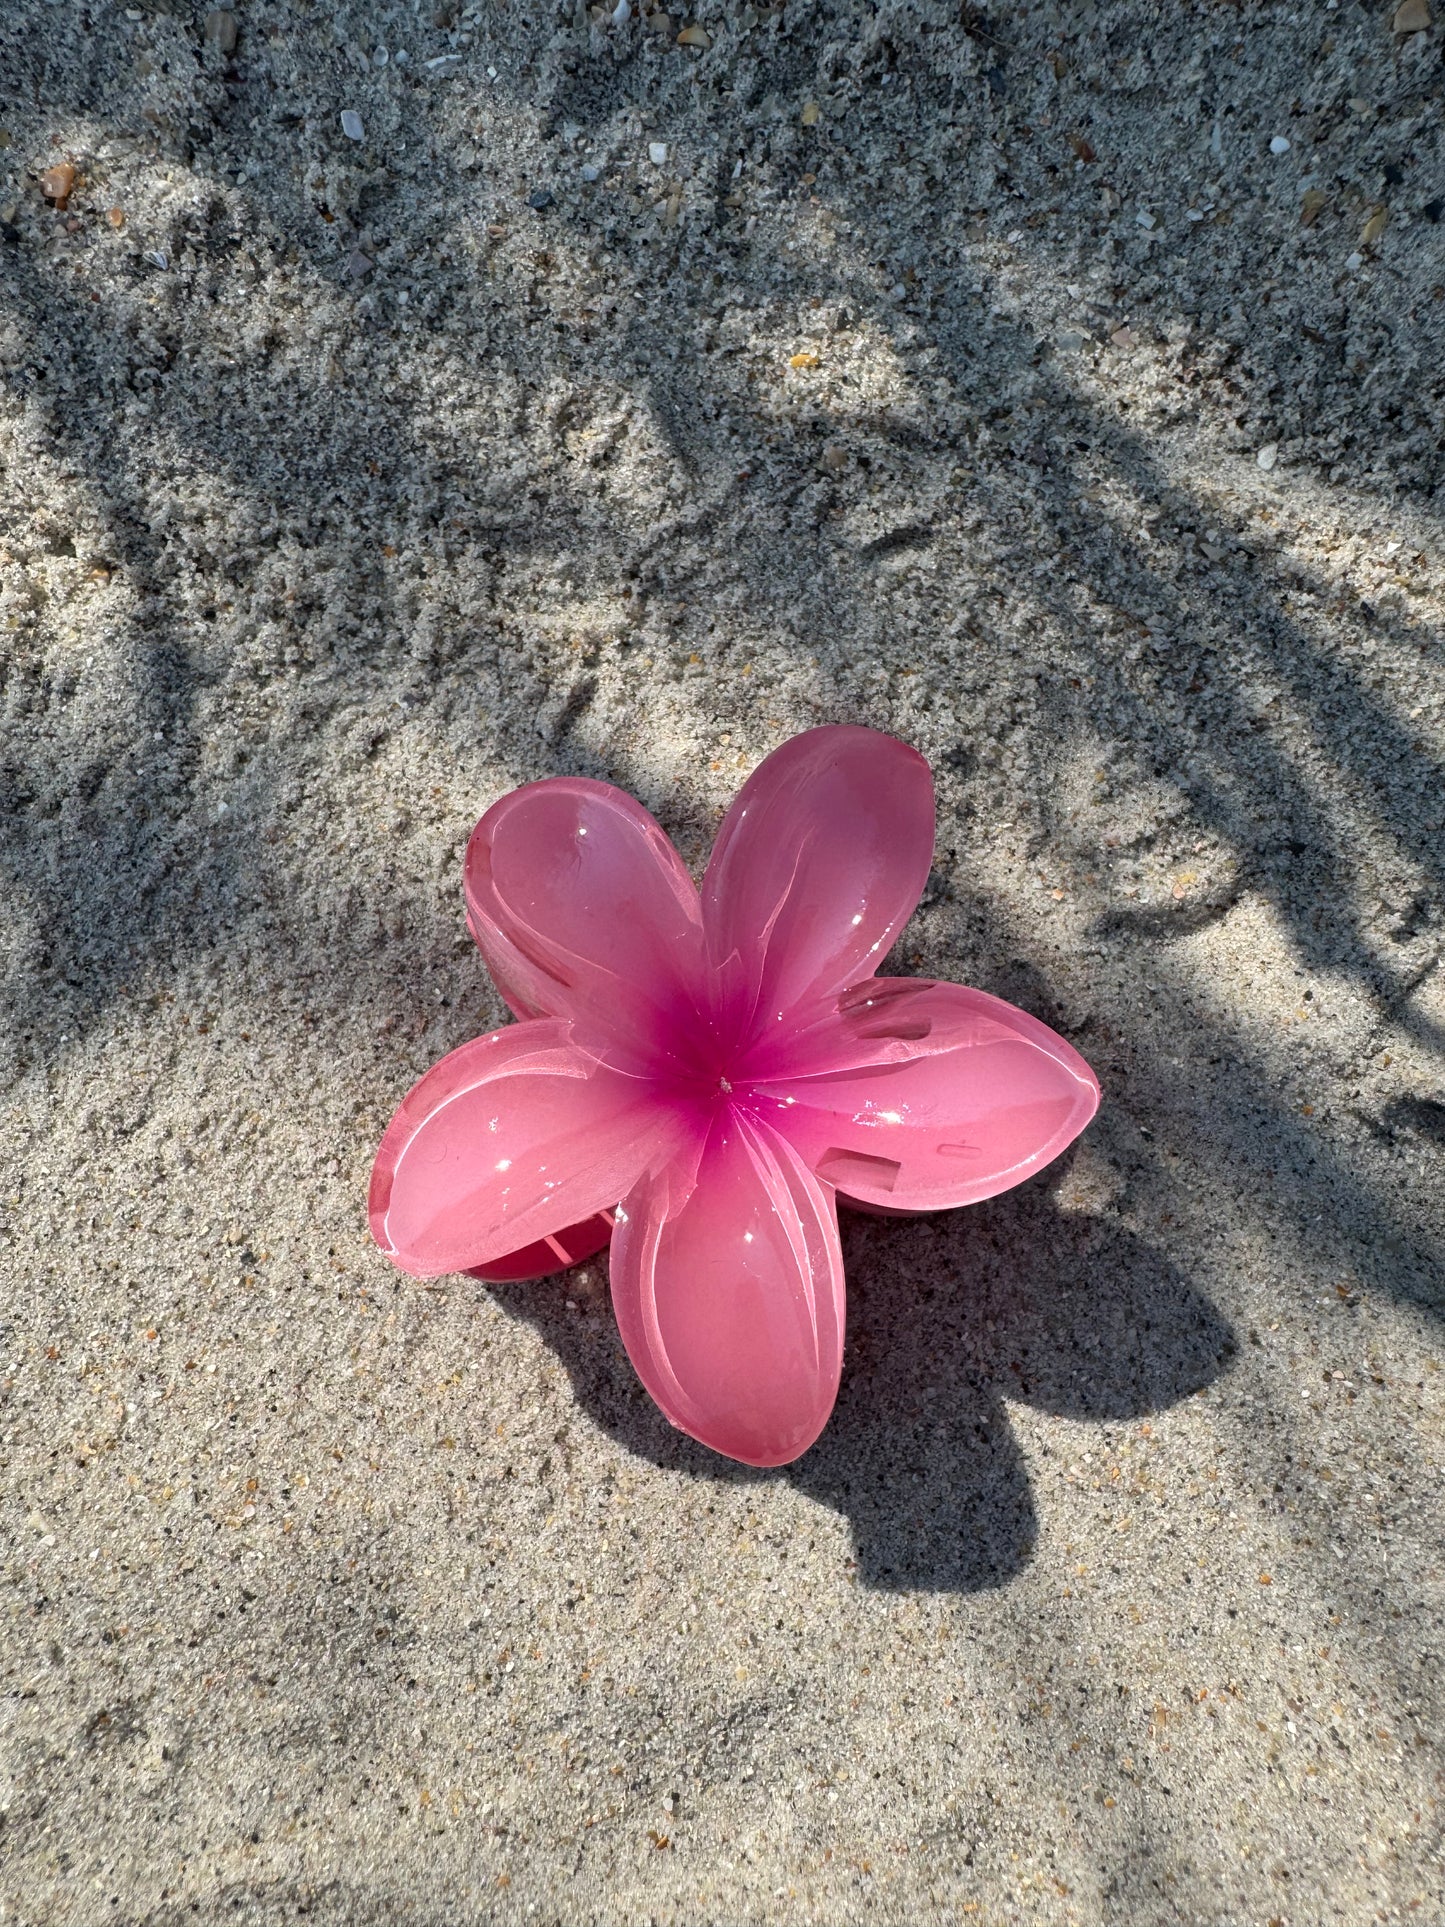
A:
x: 917, y: 1096
x: 819, y: 864
x: 728, y: 1289
x: 557, y: 1252
x: 583, y: 910
x: 511, y: 1139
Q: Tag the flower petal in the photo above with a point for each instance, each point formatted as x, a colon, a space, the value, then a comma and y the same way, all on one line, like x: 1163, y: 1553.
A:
x: 513, y: 1138
x: 559, y: 1251
x: 728, y: 1290
x: 818, y: 865
x: 583, y: 909
x: 917, y: 1095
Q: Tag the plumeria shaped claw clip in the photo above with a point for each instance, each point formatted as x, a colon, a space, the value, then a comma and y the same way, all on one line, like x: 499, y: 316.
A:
x: 702, y: 1077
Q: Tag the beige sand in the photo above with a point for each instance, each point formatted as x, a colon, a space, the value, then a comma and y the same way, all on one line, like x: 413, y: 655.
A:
x: 343, y: 489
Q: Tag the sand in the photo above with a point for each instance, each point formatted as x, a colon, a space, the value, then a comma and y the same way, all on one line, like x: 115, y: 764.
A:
x: 620, y: 407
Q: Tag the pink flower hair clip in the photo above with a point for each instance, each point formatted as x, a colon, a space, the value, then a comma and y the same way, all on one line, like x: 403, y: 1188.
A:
x: 700, y: 1077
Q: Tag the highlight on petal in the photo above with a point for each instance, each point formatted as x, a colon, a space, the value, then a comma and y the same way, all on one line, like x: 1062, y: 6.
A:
x: 512, y: 1139
x: 728, y: 1289
x: 583, y: 909
x: 819, y: 864
x: 917, y: 1096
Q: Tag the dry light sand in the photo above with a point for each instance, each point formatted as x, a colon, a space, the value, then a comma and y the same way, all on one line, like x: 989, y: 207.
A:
x: 599, y: 403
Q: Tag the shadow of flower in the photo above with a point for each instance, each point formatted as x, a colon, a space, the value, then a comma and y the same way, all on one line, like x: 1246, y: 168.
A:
x: 949, y: 1319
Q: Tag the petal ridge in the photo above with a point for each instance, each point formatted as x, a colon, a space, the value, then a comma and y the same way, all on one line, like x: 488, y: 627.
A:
x: 956, y: 1097
x: 730, y: 1304
x: 819, y: 863
x: 510, y: 1139
x: 583, y: 909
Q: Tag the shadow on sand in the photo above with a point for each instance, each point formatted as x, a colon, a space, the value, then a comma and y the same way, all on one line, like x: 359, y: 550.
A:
x: 950, y: 1318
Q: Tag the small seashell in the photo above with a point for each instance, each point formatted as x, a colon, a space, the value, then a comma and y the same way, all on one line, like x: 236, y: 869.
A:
x: 58, y: 183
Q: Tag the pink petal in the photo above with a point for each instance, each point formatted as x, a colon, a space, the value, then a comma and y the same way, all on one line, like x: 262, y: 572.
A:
x: 583, y: 909
x: 558, y: 1252
x: 728, y: 1291
x: 511, y: 1139
x: 818, y: 865
x: 916, y: 1095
